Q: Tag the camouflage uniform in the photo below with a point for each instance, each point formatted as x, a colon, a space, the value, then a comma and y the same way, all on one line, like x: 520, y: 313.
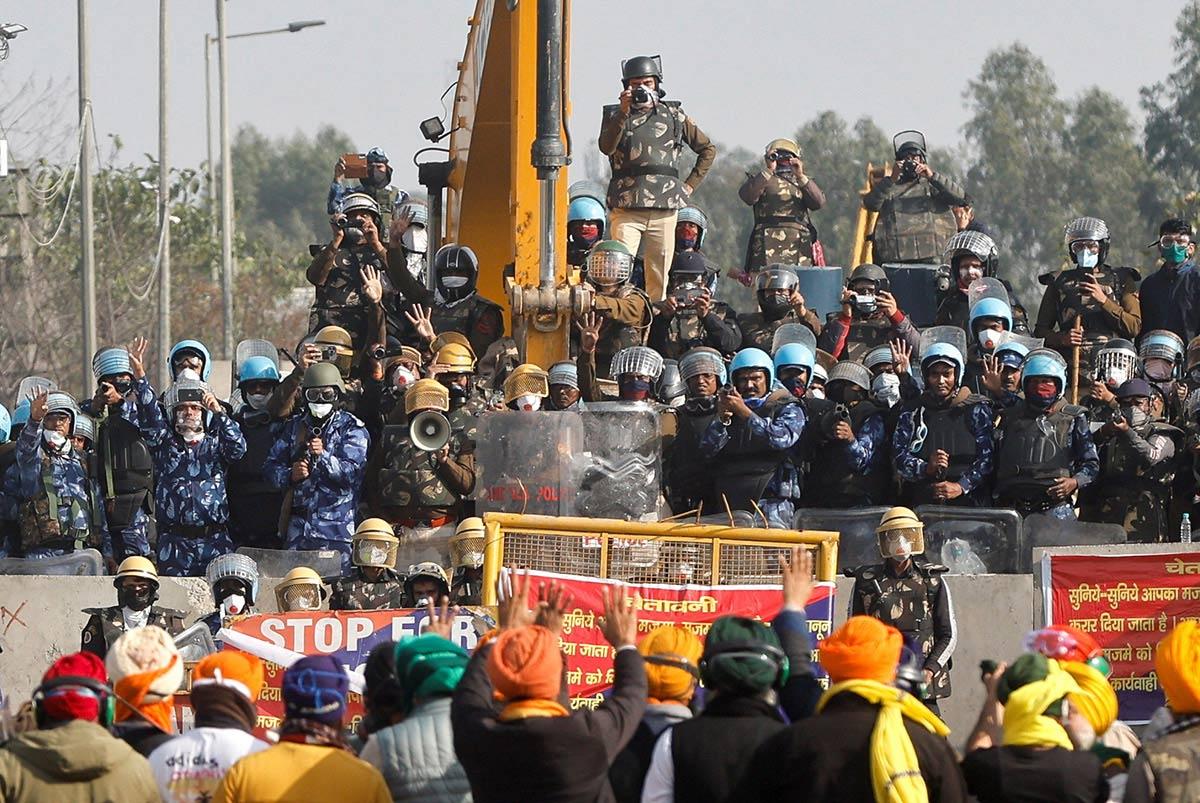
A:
x: 672, y: 337
x: 1167, y: 769
x: 408, y: 485
x: 914, y: 220
x: 917, y: 603
x: 193, y: 512
x: 339, y: 299
x: 357, y: 593
x: 625, y: 316
x: 320, y: 509
x: 45, y: 482
x: 758, y: 331
x: 126, y: 475
x: 1137, y: 468
x: 782, y: 232
x: 851, y: 338
x: 106, y: 625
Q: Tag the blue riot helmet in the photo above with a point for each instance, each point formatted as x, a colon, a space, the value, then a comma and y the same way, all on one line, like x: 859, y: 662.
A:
x: 258, y: 369
x: 1012, y: 354
x: 695, y: 216
x: 190, y: 347
x: 111, y: 362
x: 6, y: 424
x: 993, y: 308
x: 20, y: 415
x: 1045, y: 363
x: 795, y: 355
x: 944, y: 353
x: 587, y: 208
x: 753, y: 358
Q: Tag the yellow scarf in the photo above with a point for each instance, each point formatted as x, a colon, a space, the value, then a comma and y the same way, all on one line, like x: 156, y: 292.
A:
x: 527, y: 709
x: 1024, y: 722
x: 895, y: 772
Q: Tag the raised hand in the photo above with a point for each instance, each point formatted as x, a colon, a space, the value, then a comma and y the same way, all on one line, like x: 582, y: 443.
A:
x: 372, y: 285
x: 797, y: 578
x: 513, y: 594
x: 589, y: 332
x: 421, y: 320
x: 439, y: 619
x: 137, y: 356
x: 620, y: 616
x: 553, y: 600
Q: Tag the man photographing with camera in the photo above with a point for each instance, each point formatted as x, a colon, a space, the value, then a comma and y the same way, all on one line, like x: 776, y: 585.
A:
x: 643, y: 137
x: 914, y: 205
x: 374, y: 176
x: 782, y: 196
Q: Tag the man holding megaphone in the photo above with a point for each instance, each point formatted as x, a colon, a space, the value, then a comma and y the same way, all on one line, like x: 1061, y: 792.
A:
x: 424, y: 470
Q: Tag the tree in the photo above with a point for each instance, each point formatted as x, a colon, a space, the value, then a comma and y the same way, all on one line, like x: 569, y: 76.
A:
x: 1172, y: 129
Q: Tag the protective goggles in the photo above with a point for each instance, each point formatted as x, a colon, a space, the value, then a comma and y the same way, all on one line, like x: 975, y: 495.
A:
x: 321, y: 395
x: 1168, y: 240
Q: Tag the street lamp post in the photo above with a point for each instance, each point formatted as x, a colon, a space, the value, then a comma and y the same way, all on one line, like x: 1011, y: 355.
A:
x: 226, y: 162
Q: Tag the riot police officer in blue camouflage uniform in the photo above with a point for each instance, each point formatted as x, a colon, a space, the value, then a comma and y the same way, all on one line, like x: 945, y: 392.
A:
x: 319, y: 461
x: 193, y: 445
x: 59, y: 508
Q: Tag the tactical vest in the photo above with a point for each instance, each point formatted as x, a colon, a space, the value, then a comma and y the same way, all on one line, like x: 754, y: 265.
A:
x: 759, y: 332
x: 746, y: 464
x: 829, y: 478
x: 343, y: 285
x: 464, y: 318
x: 865, y: 335
x: 245, y: 477
x: 1072, y: 303
x: 948, y: 429
x: 689, y: 479
x: 1174, y: 761
x: 912, y: 226
x: 1120, y: 464
x: 781, y: 223
x: 128, y: 470
x: 645, y: 164
x: 408, y: 476
x: 1035, y: 451
x: 39, y: 522
x: 615, y: 335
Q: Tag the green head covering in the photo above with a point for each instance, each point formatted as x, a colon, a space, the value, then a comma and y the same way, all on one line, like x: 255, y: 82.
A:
x: 741, y: 656
x: 1029, y: 668
x: 428, y: 666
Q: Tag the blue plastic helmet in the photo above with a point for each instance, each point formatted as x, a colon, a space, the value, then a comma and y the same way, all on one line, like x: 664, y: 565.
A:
x: 1045, y: 362
x: 110, y: 362
x: 1012, y: 353
x: 191, y: 345
x: 991, y: 308
x: 944, y: 352
x: 796, y: 354
x: 256, y: 369
x: 753, y: 358
x: 585, y: 207
x: 20, y: 415
x: 5, y: 424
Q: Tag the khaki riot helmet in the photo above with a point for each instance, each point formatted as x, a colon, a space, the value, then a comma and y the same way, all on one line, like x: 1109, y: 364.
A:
x: 136, y: 566
x: 901, y: 534
x: 446, y: 338
x: 426, y: 570
x: 375, y: 545
x: 783, y: 145
x: 336, y: 346
x: 455, y: 358
x: 427, y: 394
x: 300, y: 590
x: 526, y: 379
x: 466, y: 545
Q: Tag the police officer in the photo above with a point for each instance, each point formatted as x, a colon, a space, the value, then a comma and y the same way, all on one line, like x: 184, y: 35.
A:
x: 466, y: 560
x: 587, y: 223
x: 373, y: 583
x: 254, y: 504
x: 300, y: 589
x: 942, y: 445
x: 375, y: 184
x: 563, y: 378
x: 688, y: 472
x: 845, y: 445
x: 318, y: 461
x: 1100, y: 297
x: 869, y: 317
x: 777, y: 290
x: 690, y: 316
x: 782, y: 196
x: 987, y: 325
x: 454, y: 366
x: 233, y: 581
x: 1136, y: 468
x: 137, y: 584
x: 416, y: 484
x: 526, y: 388
x: 411, y: 224
x: 400, y: 372
x: 426, y: 582
x: 972, y: 255
x: 643, y: 137
x: 125, y: 469
x: 622, y: 311
x: 340, y: 272
x: 189, y: 359
x: 909, y: 593
x: 914, y: 206
x: 1161, y: 354
x: 193, y: 447
x: 752, y: 439
x: 1045, y: 451
x: 59, y: 503
x: 1000, y: 380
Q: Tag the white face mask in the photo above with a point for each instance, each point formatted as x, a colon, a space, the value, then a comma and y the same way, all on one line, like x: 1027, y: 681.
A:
x: 1115, y: 377
x: 403, y: 377
x: 188, y: 373
x: 190, y: 425
x: 55, y: 440
x: 233, y: 605
x: 529, y: 402
x: 257, y: 401
x: 815, y: 391
x: 415, y: 239
x: 988, y: 339
x: 135, y: 619
x: 319, y: 411
x: 454, y: 282
x: 885, y: 388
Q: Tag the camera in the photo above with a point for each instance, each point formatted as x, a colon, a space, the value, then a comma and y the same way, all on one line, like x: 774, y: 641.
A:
x: 352, y: 232
x: 329, y: 353
x: 908, y: 170
x: 686, y: 297
x: 378, y: 353
x: 864, y: 303
x: 640, y: 95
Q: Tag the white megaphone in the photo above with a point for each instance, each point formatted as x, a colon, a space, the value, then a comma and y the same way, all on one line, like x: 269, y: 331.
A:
x: 429, y: 431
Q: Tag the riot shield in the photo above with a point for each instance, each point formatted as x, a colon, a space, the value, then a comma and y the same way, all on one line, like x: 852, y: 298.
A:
x: 943, y: 334
x: 1044, y: 530
x: 619, y: 473
x: 523, y: 462
x: 1028, y: 342
x: 857, y: 543
x: 245, y: 350
x: 916, y: 290
x: 195, y: 643
x: 278, y: 562
x: 585, y: 188
x: 968, y: 537
x: 83, y: 563
x: 821, y: 288
x: 987, y: 287
x: 793, y: 333
x: 32, y: 386
x: 423, y: 544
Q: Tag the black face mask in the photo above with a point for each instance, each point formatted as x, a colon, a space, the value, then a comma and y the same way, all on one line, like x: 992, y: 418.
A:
x: 134, y: 600
x: 849, y: 395
x: 773, y: 305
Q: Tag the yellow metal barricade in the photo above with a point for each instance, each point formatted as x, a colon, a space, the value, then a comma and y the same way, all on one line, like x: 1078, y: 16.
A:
x: 646, y: 552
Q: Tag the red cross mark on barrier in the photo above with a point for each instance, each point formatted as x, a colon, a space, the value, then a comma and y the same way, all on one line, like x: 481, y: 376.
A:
x: 8, y: 617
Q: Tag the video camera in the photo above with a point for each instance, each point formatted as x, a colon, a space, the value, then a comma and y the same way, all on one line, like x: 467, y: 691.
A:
x: 908, y: 170
x: 640, y: 95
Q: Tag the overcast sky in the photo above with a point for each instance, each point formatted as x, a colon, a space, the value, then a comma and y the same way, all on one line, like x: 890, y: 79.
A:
x: 747, y: 71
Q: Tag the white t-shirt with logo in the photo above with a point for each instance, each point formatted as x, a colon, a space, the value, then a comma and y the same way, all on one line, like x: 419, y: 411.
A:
x: 190, y: 767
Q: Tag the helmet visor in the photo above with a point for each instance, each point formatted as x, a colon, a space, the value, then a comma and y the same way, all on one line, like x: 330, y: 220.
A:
x: 609, y: 267
x: 301, y: 597
x: 901, y: 542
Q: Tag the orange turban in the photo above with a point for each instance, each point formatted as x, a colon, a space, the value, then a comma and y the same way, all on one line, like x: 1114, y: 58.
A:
x: 1177, y: 663
x: 526, y: 664
x: 1096, y: 699
x: 236, y: 670
x: 864, y: 648
x: 677, y: 651
x: 146, y: 672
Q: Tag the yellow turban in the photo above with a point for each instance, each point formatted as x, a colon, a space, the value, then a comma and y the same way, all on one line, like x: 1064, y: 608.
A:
x: 1177, y: 663
x: 1096, y: 699
x: 672, y: 656
x: 1025, y: 722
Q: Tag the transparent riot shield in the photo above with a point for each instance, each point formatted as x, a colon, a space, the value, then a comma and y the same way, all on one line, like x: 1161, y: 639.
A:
x: 1028, y: 342
x: 975, y: 540
x: 423, y: 544
x: 821, y: 288
x: 32, y: 386
x: 857, y: 542
x: 245, y: 350
x: 278, y: 562
x: 83, y: 563
x: 986, y: 287
x: 1044, y: 530
x: 944, y: 334
x: 793, y: 333
x: 619, y: 472
x: 524, y: 462
x: 195, y: 643
x: 916, y: 290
